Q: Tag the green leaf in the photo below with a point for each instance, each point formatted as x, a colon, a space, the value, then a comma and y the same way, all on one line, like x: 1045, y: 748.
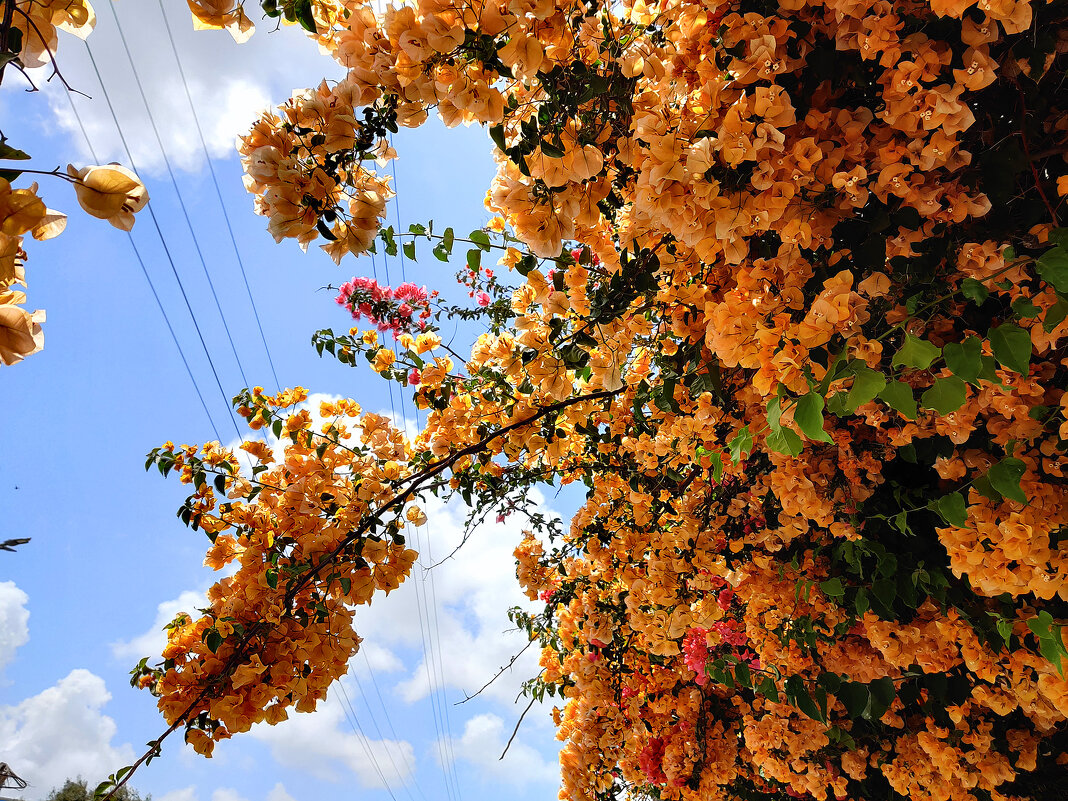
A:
x: 945, y: 396
x: 767, y: 688
x: 551, y: 150
x: 885, y: 591
x: 974, y: 291
x: 271, y: 576
x: 836, y: 405
x: 480, y: 238
x: 898, y: 396
x: 1055, y: 314
x: 1012, y: 347
x: 213, y: 639
x: 854, y: 696
x: 1053, y: 267
x: 1025, y: 309
x: 882, y: 695
x: 14, y: 154
x: 741, y: 672
x: 409, y: 250
x: 952, y: 508
x: 785, y: 441
x: 1005, y: 630
x: 916, y: 352
x: 1005, y: 478
x: 775, y: 413
x: 474, y: 259
x: 1041, y: 625
x: 867, y: 384
x: 808, y: 414
x: 740, y: 444
x: 861, y: 603
x: 447, y: 238
x: 1054, y: 651
x: 1050, y: 642
x: 716, y: 460
x: 496, y: 133
x: 833, y: 588
x: 798, y: 695
x: 982, y: 485
x: 964, y: 359
x: 302, y: 10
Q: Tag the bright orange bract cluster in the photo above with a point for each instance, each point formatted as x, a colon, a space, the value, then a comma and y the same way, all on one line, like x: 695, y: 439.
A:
x: 793, y: 308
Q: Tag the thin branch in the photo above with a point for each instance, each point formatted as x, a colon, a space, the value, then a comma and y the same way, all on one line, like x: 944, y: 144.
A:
x: 496, y: 676
x: 515, y: 731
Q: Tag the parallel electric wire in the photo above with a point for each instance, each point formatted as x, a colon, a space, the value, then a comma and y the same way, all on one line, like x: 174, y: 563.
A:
x: 162, y: 239
x: 378, y: 730
x: 178, y: 192
x: 432, y: 661
x: 151, y: 286
x: 389, y: 721
x: 421, y: 603
x: 350, y: 716
x: 433, y: 588
x: 218, y: 193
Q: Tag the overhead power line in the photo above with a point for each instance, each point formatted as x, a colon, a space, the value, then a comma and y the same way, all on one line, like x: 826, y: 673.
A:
x: 178, y: 192
x: 148, y: 279
x: 218, y: 193
x: 163, y: 240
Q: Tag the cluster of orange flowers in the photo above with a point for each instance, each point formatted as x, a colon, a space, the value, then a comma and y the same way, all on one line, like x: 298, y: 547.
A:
x: 271, y: 640
x: 21, y: 211
x: 801, y: 336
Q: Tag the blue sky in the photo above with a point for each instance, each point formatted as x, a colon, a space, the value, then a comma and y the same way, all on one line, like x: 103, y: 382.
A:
x: 109, y: 562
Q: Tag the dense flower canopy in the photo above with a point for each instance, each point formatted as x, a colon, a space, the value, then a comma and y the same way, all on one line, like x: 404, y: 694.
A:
x: 789, y: 300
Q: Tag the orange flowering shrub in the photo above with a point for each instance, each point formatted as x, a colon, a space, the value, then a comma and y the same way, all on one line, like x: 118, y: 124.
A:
x: 789, y: 298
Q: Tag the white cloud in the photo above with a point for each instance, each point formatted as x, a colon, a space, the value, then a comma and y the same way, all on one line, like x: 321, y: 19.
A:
x: 229, y: 83
x: 61, y: 733
x: 325, y: 745
x: 13, y: 621
x: 151, y: 642
x: 278, y: 793
x: 457, y: 608
x: 227, y: 794
x: 481, y: 745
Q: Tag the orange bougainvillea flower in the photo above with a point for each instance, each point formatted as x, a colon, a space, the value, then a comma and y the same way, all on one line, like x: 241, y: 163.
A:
x: 110, y: 192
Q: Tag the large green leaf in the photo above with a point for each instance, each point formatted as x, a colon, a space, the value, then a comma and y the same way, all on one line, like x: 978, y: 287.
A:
x: 784, y: 440
x: 946, y: 395
x: 952, y: 508
x: 1053, y: 267
x: 808, y: 414
x: 1012, y: 347
x: 1005, y: 478
x: 916, y: 352
x: 867, y: 384
x: 964, y: 359
x: 898, y: 396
